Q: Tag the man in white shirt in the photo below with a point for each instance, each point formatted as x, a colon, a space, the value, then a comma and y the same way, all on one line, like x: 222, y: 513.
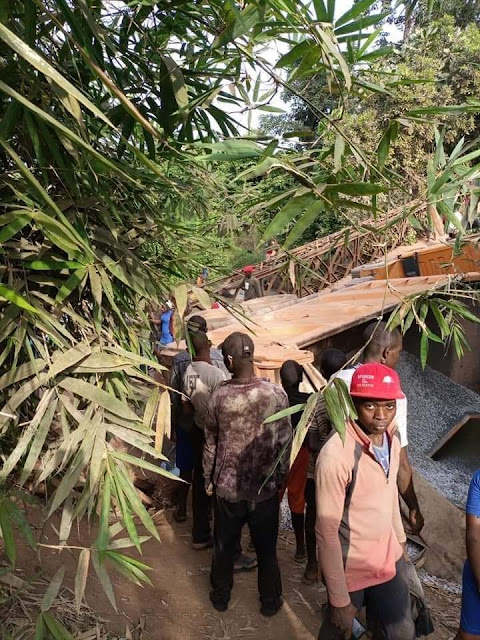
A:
x: 200, y: 379
x: 384, y: 346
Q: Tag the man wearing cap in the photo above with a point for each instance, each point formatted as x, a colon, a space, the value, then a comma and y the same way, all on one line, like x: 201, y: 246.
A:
x: 183, y: 423
x: 359, y: 529
x: 250, y: 285
x: 385, y: 346
x: 239, y: 456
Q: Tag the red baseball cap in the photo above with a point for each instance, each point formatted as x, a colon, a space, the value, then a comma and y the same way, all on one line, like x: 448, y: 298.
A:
x: 376, y: 381
x: 248, y: 269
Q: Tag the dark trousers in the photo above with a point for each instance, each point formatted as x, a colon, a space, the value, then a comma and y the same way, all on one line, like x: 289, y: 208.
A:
x: 262, y: 520
x: 310, y: 518
x: 388, y: 609
x: 201, y: 503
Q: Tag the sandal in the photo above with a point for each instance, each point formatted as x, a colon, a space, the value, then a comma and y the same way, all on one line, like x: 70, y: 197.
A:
x: 245, y: 563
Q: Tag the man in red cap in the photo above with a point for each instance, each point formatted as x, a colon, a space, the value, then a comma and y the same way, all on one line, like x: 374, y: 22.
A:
x: 250, y: 285
x: 359, y: 530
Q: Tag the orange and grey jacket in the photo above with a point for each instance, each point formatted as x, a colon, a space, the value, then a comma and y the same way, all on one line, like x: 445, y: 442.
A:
x: 359, y: 528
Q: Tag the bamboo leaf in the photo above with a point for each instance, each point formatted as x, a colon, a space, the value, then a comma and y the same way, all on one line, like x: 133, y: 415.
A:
x: 7, y: 532
x: 99, y: 396
x: 12, y: 296
x: 178, y: 82
x: 39, y: 628
x: 52, y: 265
x: 68, y: 359
x: 98, y: 454
x: 139, y: 462
x: 321, y: 11
x: 292, y: 209
x: 14, y: 227
x: 102, y: 537
x: 104, y: 579
x: 151, y: 407
x: 304, y: 222
x: 163, y: 422
x: 65, y: 131
x: 133, y: 438
x: 203, y: 297
x: 53, y: 589
x: 360, y: 7
x: 71, y: 478
x: 96, y: 285
x: 81, y: 577
x: 136, y: 503
x: 126, y: 543
x: 66, y: 521
x: 135, y: 358
x: 101, y: 363
x: 33, y: 58
x: 129, y: 567
x: 303, y: 426
x: 126, y: 515
x: 284, y: 413
x: 38, y: 441
x: 355, y: 188
x: 339, y: 150
x: 56, y: 628
x: 181, y: 299
x: 424, y: 349
x: 26, y: 436
x: 18, y: 518
x: 69, y: 286
x: 23, y: 371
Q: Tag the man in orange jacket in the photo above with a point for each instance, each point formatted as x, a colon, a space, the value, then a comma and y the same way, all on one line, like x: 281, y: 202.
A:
x: 360, y: 535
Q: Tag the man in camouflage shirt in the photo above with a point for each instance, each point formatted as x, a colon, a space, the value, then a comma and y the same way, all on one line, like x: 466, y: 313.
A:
x: 239, y: 455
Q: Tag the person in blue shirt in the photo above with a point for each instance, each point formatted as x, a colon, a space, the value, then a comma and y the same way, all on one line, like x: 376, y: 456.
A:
x: 166, y: 325
x: 470, y: 616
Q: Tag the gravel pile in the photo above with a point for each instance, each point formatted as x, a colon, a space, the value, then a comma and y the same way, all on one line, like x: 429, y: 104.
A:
x: 285, y: 515
x: 436, y: 405
x: 450, y: 588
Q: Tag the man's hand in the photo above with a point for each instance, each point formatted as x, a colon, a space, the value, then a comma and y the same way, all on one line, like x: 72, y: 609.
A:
x: 342, y: 618
x: 415, y: 521
x: 209, y: 490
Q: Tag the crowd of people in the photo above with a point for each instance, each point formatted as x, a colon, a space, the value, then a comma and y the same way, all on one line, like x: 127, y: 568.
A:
x: 343, y: 491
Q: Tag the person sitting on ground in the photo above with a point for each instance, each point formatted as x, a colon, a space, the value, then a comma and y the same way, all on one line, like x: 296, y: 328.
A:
x: 182, y: 424
x: 239, y: 465
x: 359, y: 529
x: 384, y: 346
x: 331, y: 361
x: 470, y: 616
x: 200, y: 379
x: 250, y: 285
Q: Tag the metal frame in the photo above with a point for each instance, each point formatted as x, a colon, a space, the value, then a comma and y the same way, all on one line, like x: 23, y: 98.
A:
x: 321, y: 263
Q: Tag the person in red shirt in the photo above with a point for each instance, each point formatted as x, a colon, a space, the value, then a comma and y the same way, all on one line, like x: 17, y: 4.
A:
x: 360, y: 536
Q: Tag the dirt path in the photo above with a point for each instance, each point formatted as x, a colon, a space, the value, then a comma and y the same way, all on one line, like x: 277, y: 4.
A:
x: 177, y: 607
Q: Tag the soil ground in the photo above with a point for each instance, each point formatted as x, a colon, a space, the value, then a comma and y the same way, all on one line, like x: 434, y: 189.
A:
x: 177, y: 606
